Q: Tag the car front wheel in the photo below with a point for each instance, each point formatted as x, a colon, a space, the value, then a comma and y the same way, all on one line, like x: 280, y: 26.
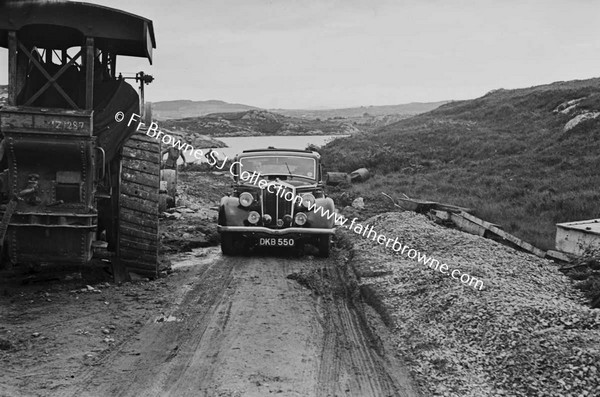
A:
x: 228, y: 244
x: 324, y: 245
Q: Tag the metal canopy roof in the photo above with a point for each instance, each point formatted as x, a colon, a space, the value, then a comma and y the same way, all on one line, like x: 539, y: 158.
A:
x: 65, y: 24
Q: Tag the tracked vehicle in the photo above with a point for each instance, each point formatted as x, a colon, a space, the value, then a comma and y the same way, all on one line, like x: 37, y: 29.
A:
x: 74, y: 173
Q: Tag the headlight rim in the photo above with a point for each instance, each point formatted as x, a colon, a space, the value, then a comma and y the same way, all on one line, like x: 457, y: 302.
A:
x: 246, y: 194
x: 301, y: 215
x: 305, y: 204
x: 256, y: 215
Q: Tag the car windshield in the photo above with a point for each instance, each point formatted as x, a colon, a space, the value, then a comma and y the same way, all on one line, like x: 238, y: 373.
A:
x: 280, y: 165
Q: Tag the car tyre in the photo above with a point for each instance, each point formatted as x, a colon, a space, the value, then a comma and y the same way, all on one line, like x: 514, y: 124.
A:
x: 324, y: 246
x: 228, y: 244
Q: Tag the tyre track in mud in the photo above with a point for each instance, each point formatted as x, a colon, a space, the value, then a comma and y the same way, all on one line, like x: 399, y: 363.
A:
x: 252, y: 326
x: 141, y: 361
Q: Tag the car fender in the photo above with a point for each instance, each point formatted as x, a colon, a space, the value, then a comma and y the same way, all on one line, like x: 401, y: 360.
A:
x: 316, y: 217
x: 230, y: 213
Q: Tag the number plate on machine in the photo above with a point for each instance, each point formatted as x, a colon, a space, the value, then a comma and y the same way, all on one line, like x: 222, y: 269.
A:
x: 276, y: 242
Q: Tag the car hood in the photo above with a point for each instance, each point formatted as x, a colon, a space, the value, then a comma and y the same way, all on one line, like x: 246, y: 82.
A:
x: 295, y: 182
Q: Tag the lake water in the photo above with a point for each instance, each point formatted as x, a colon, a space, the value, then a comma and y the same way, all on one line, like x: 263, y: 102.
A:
x: 240, y: 143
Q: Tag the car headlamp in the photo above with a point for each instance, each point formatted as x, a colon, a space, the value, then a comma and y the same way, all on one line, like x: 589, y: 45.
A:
x: 253, y: 217
x: 246, y: 199
x: 300, y: 218
x: 308, y: 200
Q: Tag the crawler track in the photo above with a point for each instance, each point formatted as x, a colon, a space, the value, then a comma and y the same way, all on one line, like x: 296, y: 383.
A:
x: 138, y: 205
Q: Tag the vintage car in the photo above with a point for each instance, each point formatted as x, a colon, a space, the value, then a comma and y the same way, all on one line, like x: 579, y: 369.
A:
x: 277, y: 201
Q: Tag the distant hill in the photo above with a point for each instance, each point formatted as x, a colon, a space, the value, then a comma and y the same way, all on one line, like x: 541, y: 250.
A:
x: 364, y: 117
x: 525, y: 158
x: 256, y: 123
x: 408, y: 109
x: 186, y: 108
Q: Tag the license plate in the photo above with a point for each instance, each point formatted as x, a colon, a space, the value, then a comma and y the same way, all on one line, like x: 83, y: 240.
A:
x: 276, y: 242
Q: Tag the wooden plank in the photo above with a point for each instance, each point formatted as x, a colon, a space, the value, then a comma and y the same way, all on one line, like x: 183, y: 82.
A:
x: 478, y: 221
x: 149, y: 154
x: 141, y: 152
x: 144, y: 179
x: 408, y: 204
x: 89, y: 73
x: 136, y: 255
x: 141, y: 166
x: 150, y: 147
x: 130, y: 242
x: 467, y: 225
x: 450, y: 208
x: 142, y: 137
x: 12, y: 68
x: 140, y: 191
x: 507, y: 236
x: 557, y: 255
x: 140, y: 234
x: 138, y: 220
x: 139, y: 205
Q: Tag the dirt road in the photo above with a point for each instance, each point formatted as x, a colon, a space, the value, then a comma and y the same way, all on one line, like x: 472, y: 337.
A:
x: 270, y: 323
x: 244, y: 326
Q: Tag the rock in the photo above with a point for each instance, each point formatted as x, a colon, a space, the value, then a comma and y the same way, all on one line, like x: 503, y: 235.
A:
x: 185, y: 210
x: 35, y: 334
x: 89, y: 288
x: 575, y: 121
x: 359, y: 203
x: 175, y: 215
x: 350, y: 212
x: 567, y: 107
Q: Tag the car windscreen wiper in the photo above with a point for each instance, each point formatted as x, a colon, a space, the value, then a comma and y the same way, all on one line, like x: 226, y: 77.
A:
x: 288, y: 168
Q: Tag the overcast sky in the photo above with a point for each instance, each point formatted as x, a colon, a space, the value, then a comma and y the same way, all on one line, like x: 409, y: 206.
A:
x: 340, y: 53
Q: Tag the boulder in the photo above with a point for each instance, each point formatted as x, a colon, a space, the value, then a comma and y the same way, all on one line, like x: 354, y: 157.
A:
x: 575, y: 121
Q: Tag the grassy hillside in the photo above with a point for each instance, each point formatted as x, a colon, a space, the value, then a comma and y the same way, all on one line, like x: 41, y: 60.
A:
x: 511, y: 155
x: 256, y: 123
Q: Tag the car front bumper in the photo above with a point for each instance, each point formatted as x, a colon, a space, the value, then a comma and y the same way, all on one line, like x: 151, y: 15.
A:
x: 261, y: 230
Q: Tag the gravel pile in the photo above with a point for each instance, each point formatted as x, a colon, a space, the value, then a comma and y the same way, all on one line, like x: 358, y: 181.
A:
x: 527, y: 333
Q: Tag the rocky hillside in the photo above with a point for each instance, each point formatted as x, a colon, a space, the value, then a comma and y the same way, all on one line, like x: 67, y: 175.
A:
x: 186, y: 108
x: 258, y: 122
x: 525, y: 159
x: 3, y: 94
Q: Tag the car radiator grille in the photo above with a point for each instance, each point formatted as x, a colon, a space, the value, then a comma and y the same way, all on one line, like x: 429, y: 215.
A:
x: 276, y: 205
